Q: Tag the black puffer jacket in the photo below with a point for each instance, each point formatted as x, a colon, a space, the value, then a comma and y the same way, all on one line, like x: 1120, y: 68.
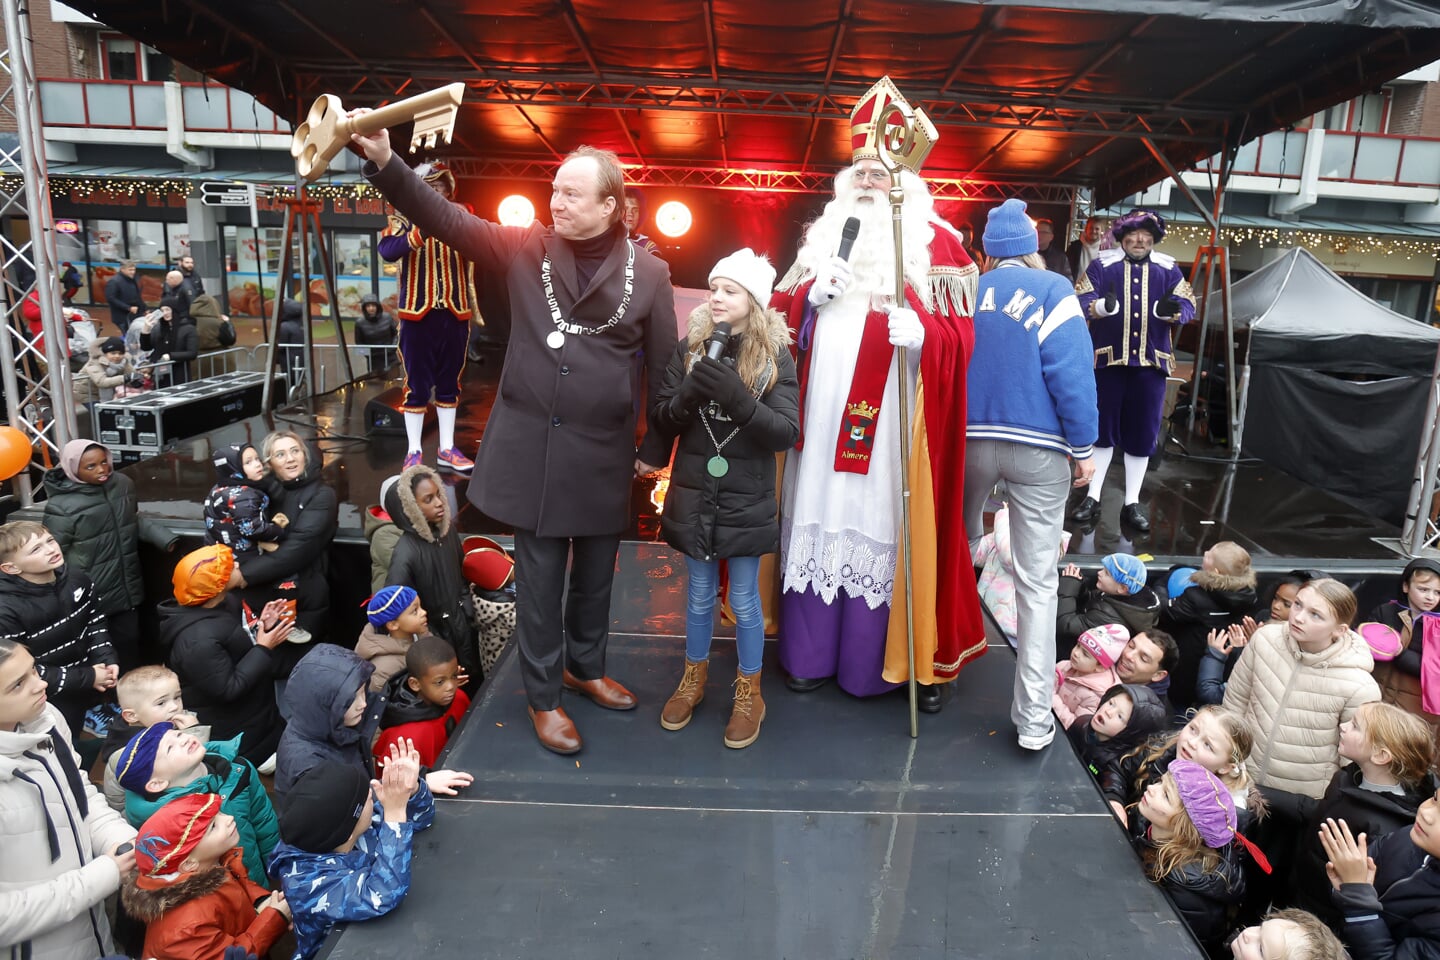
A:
x: 225, y: 677
x: 1082, y: 606
x: 61, y: 625
x: 403, y: 705
x: 1399, y: 916
x: 304, y: 555
x: 99, y: 528
x: 1369, y: 812
x: 428, y: 558
x: 736, y: 515
x: 237, y: 511
x: 1189, y: 618
x: 1148, y: 717
x: 1205, y: 900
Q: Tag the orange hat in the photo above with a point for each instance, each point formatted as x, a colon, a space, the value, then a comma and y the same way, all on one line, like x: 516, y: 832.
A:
x: 486, y: 563
x: 202, y: 575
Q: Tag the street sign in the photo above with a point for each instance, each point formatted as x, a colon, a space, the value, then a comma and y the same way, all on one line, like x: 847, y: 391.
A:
x: 216, y: 193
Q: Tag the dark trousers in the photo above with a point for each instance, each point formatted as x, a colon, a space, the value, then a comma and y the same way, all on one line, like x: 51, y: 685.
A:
x: 1131, y: 401
x: 549, y: 637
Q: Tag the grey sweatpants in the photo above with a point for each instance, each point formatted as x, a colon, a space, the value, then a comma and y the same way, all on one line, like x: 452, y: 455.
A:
x: 1037, y: 482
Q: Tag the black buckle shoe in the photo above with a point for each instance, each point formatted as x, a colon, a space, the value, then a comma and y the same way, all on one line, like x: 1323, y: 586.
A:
x: 1133, y: 515
x: 928, y: 697
x: 1087, y: 511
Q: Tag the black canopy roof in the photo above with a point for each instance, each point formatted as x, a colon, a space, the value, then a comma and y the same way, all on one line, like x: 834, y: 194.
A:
x: 1058, y: 93
x: 1301, y: 314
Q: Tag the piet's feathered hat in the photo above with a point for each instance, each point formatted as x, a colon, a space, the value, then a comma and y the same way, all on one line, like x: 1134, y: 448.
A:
x: 1139, y: 219
x: 435, y: 171
x: 877, y: 121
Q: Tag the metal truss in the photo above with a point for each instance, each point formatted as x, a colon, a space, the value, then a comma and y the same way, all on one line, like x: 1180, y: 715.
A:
x: 784, y: 97
x: 773, y: 181
x: 36, y: 378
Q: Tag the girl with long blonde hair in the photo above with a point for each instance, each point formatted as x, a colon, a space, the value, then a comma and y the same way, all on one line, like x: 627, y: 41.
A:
x: 731, y: 396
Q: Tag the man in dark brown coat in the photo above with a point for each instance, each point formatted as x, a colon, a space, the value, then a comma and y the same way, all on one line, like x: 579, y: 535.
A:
x: 559, y: 449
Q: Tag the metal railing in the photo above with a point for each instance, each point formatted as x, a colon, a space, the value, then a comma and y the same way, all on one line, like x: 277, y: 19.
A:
x: 1345, y: 157
x: 140, y: 105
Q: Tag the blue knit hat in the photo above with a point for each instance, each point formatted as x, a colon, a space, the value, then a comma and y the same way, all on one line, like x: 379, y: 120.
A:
x: 1009, y: 232
x: 137, y: 758
x: 1127, y: 570
x: 387, y: 604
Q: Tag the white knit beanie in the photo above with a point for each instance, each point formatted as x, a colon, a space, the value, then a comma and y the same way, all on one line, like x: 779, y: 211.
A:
x: 751, y: 271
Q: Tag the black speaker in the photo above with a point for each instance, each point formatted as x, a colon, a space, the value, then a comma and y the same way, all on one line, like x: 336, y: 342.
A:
x: 383, y: 414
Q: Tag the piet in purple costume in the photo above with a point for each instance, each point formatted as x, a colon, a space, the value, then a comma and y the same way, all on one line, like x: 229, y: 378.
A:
x: 436, y: 303
x: 1134, y: 298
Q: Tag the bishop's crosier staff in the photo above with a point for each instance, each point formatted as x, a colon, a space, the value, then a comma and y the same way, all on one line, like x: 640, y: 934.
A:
x: 898, y: 124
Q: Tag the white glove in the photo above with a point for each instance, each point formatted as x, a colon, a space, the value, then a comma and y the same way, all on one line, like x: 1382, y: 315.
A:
x: 1106, y: 306
x: 905, y: 327
x: 831, y: 281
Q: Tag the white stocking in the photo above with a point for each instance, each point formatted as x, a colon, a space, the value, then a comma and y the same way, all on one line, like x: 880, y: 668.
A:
x: 1135, y: 468
x: 414, y: 429
x: 446, y: 416
x: 1102, y: 466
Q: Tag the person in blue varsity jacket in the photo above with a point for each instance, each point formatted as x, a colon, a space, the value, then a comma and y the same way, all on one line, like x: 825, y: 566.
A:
x: 1031, y: 410
x: 436, y: 302
x: 1133, y: 298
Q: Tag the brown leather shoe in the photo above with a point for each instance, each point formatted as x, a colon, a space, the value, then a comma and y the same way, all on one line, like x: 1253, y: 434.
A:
x: 555, y: 731
x: 606, y: 692
x: 682, y: 703
x: 747, y: 714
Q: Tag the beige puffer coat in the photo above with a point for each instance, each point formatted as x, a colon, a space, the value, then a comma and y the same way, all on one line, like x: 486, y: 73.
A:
x: 54, y: 877
x: 1296, y: 701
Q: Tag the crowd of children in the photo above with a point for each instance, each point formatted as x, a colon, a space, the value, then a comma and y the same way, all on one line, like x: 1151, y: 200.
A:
x: 185, y: 829
x: 1264, y: 756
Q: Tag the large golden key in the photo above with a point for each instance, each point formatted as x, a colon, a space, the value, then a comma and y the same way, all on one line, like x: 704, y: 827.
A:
x: 327, y: 129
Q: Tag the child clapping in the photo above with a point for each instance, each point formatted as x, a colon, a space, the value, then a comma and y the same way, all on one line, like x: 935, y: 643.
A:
x: 347, y: 842
x: 1082, y: 680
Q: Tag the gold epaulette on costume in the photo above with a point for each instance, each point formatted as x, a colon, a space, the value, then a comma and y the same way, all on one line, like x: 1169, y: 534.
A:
x: 396, y: 225
x: 1184, y: 292
x: 795, y: 276
x: 1084, y: 286
x: 953, y: 289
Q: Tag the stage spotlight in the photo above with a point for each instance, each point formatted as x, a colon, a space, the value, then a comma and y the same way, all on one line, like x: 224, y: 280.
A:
x: 516, y: 211
x: 673, y: 218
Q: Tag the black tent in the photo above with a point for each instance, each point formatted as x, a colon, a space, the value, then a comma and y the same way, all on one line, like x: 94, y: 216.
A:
x: 1336, y: 384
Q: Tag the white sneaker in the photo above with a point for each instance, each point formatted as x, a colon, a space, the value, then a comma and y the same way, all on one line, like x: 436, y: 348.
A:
x: 1037, y: 743
x: 268, y: 767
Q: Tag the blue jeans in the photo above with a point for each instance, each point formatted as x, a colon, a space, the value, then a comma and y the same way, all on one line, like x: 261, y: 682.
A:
x: 744, y: 602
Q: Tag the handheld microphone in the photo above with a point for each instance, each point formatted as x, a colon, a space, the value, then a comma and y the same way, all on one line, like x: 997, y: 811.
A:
x: 719, y: 340
x: 848, y: 233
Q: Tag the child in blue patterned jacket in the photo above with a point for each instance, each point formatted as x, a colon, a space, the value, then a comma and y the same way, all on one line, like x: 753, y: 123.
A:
x: 346, y: 844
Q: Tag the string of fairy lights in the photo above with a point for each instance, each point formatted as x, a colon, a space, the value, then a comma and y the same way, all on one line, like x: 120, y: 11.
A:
x: 1410, y: 248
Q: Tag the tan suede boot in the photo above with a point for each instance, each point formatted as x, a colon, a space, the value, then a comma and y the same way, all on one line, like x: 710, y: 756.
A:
x: 747, y: 714
x: 682, y: 703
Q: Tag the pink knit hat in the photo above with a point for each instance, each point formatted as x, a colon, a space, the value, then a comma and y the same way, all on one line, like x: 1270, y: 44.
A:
x: 1105, y: 643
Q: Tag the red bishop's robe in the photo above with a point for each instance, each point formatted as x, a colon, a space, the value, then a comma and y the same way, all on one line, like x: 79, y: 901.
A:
x: 949, y: 631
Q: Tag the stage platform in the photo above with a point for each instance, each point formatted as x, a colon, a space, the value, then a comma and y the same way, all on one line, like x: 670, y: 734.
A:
x: 834, y: 836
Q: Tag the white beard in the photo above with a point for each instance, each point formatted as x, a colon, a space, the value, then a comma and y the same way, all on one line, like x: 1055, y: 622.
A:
x: 872, y: 260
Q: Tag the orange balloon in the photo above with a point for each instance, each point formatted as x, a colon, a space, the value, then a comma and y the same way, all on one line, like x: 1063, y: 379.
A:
x: 15, y: 452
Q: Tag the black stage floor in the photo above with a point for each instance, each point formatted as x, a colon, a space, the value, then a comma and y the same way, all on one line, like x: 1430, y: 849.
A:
x: 834, y: 836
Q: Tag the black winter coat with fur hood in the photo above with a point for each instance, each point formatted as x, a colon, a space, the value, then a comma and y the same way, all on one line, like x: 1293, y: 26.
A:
x: 708, y: 517
x: 428, y: 558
